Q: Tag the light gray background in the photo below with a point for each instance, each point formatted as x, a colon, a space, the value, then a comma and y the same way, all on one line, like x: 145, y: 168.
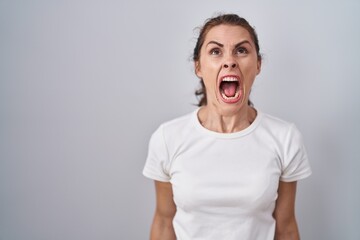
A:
x: 83, y: 84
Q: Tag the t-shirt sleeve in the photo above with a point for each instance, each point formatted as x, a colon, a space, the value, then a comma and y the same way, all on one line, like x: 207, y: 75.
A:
x: 157, y: 159
x: 295, y: 163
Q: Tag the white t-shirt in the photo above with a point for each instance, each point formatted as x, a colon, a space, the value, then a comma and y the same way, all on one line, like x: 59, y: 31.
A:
x: 225, y: 184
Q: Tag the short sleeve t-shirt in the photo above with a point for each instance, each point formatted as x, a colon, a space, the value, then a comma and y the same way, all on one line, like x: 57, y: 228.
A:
x: 225, y: 184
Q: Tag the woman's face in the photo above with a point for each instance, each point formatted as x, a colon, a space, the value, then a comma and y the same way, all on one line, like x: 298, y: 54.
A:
x: 228, y: 65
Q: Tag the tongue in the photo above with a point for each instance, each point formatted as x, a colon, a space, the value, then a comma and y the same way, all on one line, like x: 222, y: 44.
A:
x: 229, y: 88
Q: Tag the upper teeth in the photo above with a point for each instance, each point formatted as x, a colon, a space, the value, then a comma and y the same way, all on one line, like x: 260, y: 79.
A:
x: 230, y: 79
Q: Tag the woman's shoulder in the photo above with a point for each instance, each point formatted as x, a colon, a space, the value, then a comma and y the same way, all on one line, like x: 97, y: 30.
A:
x: 276, y: 126
x: 179, y: 124
x: 275, y: 122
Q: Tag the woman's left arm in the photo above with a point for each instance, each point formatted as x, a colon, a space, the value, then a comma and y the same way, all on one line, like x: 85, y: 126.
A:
x: 284, y: 214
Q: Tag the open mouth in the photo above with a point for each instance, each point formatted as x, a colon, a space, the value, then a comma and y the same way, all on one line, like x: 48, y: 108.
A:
x: 230, y: 89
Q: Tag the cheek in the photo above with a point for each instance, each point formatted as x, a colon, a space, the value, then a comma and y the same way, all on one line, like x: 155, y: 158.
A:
x: 210, y: 78
x: 210, y: 70
x: 250, y: 72
x: 209, y: 84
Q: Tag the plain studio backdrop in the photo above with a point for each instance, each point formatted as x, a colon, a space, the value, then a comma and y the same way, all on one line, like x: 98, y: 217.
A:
x: 83, y: 84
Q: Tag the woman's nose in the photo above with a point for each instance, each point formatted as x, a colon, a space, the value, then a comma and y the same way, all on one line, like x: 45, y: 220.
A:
x: 232, y: 65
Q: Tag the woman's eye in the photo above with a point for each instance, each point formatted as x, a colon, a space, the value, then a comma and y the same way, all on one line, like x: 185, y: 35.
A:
x: 215, y: 51
x: 241, y: 50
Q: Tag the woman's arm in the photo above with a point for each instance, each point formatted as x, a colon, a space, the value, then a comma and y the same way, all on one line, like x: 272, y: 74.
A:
x: 162, y: 227
x: 286, y: 226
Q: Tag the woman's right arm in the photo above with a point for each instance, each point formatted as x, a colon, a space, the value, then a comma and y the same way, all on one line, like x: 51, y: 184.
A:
x: 162, y: 227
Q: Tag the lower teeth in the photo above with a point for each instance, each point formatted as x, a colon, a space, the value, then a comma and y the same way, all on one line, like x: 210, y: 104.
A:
x: 230, y: 98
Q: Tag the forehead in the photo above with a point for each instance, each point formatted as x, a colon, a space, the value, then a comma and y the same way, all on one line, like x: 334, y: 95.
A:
x: 229, y: 34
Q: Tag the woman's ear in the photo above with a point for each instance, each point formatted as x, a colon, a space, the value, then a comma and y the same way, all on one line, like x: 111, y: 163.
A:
x: 197, y: 69
x: 258, y: 66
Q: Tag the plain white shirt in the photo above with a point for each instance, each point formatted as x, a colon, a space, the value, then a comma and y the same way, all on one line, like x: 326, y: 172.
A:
x: 225, y: 184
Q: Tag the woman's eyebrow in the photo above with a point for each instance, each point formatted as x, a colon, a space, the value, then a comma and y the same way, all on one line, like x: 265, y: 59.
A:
x: 222, y: 45
x: 241, y: 43
x: 214, y: 42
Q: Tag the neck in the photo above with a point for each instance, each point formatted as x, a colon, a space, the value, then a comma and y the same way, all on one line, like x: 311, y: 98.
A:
x: 226, y: 121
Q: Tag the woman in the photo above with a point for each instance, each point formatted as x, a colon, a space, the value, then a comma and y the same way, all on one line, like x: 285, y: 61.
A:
x: 227, y: 170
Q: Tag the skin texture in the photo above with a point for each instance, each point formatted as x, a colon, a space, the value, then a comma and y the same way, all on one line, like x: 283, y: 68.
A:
x: 162, y: 228
x: 227, y: 50
x: 286, y: 226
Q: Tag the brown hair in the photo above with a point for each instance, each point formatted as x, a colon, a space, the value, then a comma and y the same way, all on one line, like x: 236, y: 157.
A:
x: 229, y: 19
